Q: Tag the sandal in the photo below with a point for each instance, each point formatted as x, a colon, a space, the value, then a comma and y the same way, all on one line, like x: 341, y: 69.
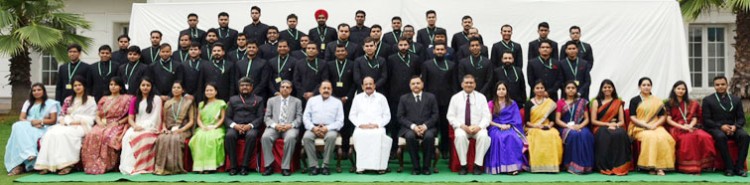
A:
x: 660, y: 173
x: 43, y: 172
x: 65, y: 171
x: 381, y: 172
x: 17, y: 170
x: 514, y: 173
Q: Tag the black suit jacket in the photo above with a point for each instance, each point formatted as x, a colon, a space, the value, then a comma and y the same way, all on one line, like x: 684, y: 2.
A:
x: 411, y: 112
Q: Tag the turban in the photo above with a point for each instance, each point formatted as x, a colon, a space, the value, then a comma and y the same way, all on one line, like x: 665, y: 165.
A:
x: 321, y: 12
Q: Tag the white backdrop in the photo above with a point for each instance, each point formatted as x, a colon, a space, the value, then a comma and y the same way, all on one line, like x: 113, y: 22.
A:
x: 630, y: 39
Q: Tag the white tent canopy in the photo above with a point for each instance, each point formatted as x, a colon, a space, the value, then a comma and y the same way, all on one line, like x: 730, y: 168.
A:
x: 630, y: 39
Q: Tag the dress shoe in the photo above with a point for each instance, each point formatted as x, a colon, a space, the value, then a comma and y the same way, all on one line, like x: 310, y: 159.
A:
x: 463, y: 171
x: 244, y: 171
x: 313, y: 171
x: 728, y: 173
x: 268, y: 171
x: 477, y: 170
x: 325, y: 171
x: 416, y: 172
x: 286, y: 172
x: 427, y: 171
x: 741, y: 173
x: 232, y: 172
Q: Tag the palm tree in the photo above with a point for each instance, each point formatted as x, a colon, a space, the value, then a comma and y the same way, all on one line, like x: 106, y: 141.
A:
x: 38, y: 25
x: 740, y: 82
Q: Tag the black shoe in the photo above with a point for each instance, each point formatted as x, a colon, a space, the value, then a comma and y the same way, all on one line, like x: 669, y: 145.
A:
x: 427, y: 171
x: 741, y: 173
x: 232, y: 172
x: 325, y: 171
x: 463, y: 171
x: 728, y: 173
x: 313, y: 171
x: 269, y: 171
x: 415, y: 172
x: 245, y: 171
x: 286, y: 172
x: 477, y: 170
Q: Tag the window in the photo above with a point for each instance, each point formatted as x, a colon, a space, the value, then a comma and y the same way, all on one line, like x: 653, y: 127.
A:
x: 707, y: 54
x: 49, y: 70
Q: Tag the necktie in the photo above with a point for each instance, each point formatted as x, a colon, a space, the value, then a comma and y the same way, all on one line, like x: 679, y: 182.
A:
x: 419, y: 100
x: 467, y: 114
x: 282, y: 118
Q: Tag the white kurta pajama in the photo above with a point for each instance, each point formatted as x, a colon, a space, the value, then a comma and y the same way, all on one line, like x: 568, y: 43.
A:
x: 60, y: 146
x: 373, y: 146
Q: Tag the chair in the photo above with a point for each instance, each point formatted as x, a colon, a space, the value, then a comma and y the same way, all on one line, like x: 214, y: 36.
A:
x: 453, y: 162
x: 319, y: 146
x: 402, y: 147
x: 254, y: 158
x: 278, y: 154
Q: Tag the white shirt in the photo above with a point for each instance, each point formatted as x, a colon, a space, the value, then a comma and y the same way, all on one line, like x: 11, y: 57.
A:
x: 480, y: 112
x: 368, y: 109
x: 329, y: 112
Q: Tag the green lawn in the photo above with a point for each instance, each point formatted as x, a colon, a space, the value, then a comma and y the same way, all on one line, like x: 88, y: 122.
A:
x: 7, y: 121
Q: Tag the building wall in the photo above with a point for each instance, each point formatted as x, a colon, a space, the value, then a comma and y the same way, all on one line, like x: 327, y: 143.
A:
x: 717, y: 17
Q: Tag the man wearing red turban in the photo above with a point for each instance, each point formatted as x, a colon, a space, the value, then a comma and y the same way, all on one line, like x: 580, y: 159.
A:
x: 322, y: 34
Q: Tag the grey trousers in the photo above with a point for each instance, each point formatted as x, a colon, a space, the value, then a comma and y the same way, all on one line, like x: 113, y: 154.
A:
x: 290, y: 142
x: 308, y: 141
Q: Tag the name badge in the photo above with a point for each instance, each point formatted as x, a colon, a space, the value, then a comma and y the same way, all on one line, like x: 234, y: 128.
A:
x: 339, y: 84
x: 126, y: 87
x: 577, y: 83
x: 571, y: 123
x: 68, y: 86
x: 429, y: 46
x: 278, y: 79
x: 323, y: 47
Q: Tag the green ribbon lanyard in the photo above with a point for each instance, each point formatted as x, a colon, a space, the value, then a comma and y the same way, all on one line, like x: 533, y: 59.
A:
x: 345, y: 45
x: 471, y: 59
x: 377, y: 53
x: 184, y: 57
x: 249, y: 65
x: 465, y: 37
x: 583, y: 48
x: 407, y: 61
x: 194, y: 32
x: 99, y: 66
x: 131, y: 71
x: 281, y: 65
x: 154, y: 57
x: 394, y: 35
x: 164, y: 67
x: 370, y: 64
x: 175, y: 114
x: 316, y: 66
x: 413, y: 48
x: 323, y: 36
x: 573, y: 70
x: 722, y: 105
x: 217, y: 66
x: 197, y: 63
x: 438, y: 66
x: 514, y: 72
x: 225, y: 35
x: 340, y: 70
x: 431, y: 35
x: 512, y: 46
x: 238, y: 54
x: 545, y: 65
x: 295, y: 36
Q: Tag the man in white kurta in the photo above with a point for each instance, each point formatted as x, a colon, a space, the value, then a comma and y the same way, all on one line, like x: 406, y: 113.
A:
x: 370, y: 114
x: 469, y: 116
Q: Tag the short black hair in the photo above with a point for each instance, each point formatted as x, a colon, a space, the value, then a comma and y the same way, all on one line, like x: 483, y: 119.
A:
x: 241, y: 34
x: 192, y: 15
x: 156, y: 31
x: 246, y: 80
x: 212, y: 30
x: 273, y: 28
x: 195, y: 44
x: 542, y: 25
x: 466, y: 17
x: 429, y: 12
x: 395, y: 18
x: 360, y: 12
x: 123, y: 36
x: 506, y: 25
x: 409, y: 26
x: 475, y: 39
x: 218, y: 44
x: 105, y: 47
x: 545, y: 41
x: 342, y: 25
x: 440, y: 44
x: 291, y: 16
x: 223, y: 14
x: 574, y: 28
x: 252, y: 41
x: 255, y: 8
x: 376, y: 26
x: 74, y: 46
x: 440, y: 32
x: 162, y: 46
x: 721, y: 77
x: 134, y: 49
x: 403, y: 38
x: 570, y: 43
x: 340, y: 45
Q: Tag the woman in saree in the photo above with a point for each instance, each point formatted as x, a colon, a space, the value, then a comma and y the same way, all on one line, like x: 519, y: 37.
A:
x: 508, y: 139
x: 37, y: 114
x: 101, y: 146
x: 144, y: 117
x: 207, y: 146
x: 545, y: 145
x: 695, y: 147
x: 612, y: 144
x: 647, y: 116
x: 177, y: 126
x: 61, y: 144
x: 572, y: 118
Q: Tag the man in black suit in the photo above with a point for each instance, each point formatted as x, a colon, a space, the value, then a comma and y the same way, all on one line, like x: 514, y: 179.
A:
x: 227, y: 36
x: 426, y: 36
x: 723, y: 118
x: 418, y: 116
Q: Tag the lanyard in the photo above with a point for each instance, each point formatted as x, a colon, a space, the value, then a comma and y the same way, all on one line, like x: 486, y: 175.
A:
x: 131, y: 71
x: 217, y: 66
x: 100, y: 69
x: 465, y: 37
x: 345, y: 45
x: 722, y: 105
x: 545, y: 65
x: 255, y: 100
x: 71, y: 73
x: 244, y: 53
x: 194, y: 32
x: 340, y: 70
x: 377, y: 53
x: 573, y: 111
x: 406, y: 61
x: 583, y: 49
x: 479, y: 63
x: 682, y: 113
x: 514, y: 72
x: 322, y: 37
x: 225, y: 35
x: 175, y: 114
x: 413, y: 49
x: 430, y: 35
x: 512, y: 46
x: 395, y: 38
x: 249, y: 65
x: 183, y: 57
x: 314, y: 68
x: 165, y: 68
x: 438, y: 66
x: 154, y: 57
x: 377, y: 65
x: 197, y: 63
x: 208, y: 51
x: 295, y: 35
x: 281, y: 65
x: 572, y: 69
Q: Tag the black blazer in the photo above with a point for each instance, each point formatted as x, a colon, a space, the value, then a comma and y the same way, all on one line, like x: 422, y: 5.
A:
x: 411, y: 112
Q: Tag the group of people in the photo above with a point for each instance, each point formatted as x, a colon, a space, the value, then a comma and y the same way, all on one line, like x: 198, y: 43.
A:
x: 137, y: 108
